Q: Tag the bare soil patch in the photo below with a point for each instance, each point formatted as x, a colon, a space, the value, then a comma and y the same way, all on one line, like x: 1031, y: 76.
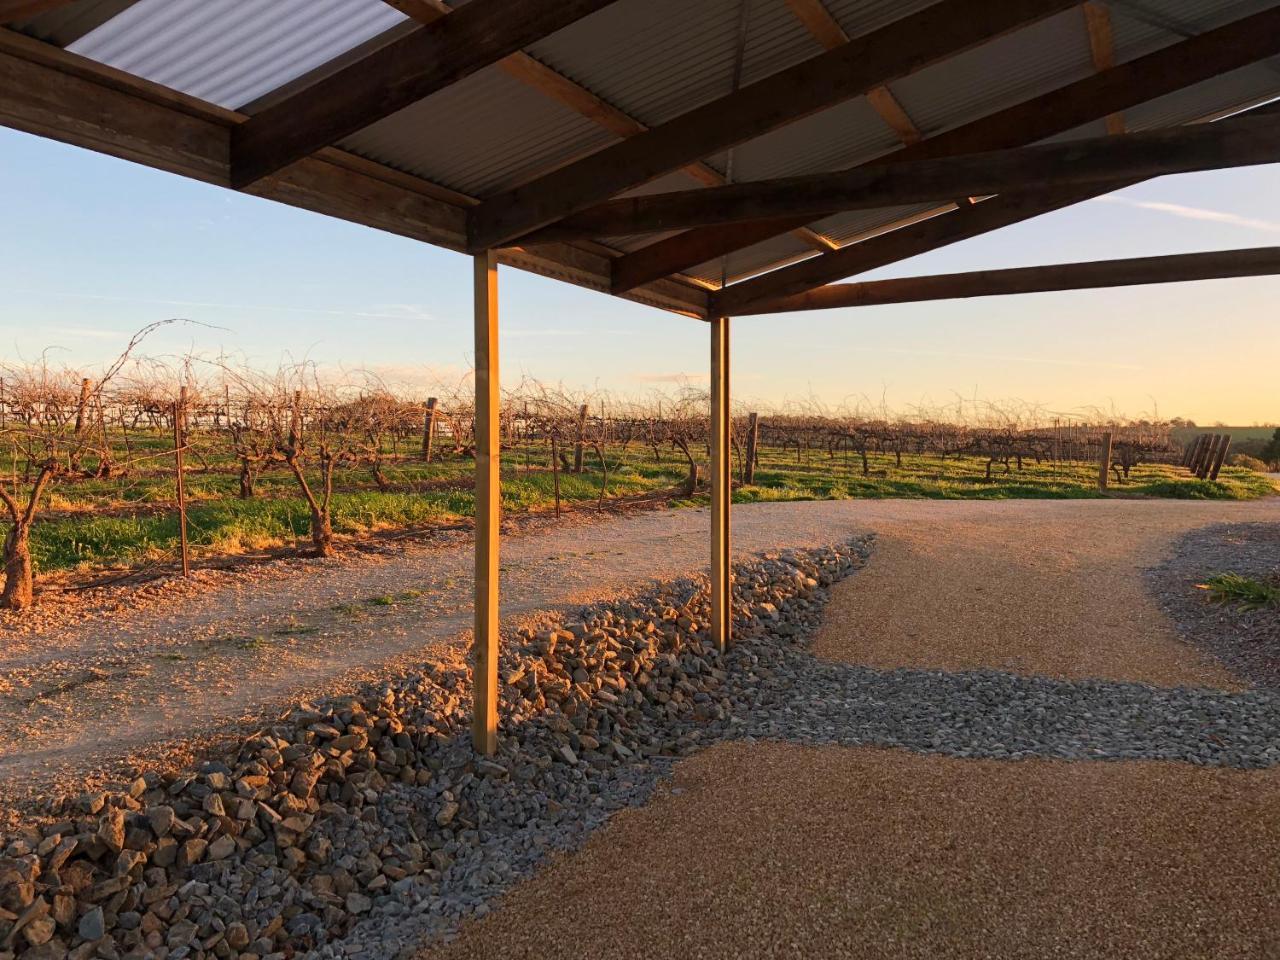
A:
x: 1058, y: 591
x: 772, y: 850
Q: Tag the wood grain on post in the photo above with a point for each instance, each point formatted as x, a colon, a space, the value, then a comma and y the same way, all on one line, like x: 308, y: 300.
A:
x: 1104, y: 461
x: 484, y: 721
x: 1223, y: 447
x: 179, y: 443
x: 721, y: 588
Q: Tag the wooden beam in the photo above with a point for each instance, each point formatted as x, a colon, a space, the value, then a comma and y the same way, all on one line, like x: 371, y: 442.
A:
x: 484, y: 647
x: 1217, y: 265
x: 401, y: 73
x: 818, y: 20
x: 1229, y: 143
x: 932, y: 234
x: 1176, y: 67
x: 721, y: 626
x: 941, y: 30
x: 556, y: 86
x: 14, y: 10
x: 1102, y: 47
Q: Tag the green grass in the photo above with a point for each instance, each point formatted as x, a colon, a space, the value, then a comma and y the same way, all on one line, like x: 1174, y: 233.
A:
x: 98, y: 523
x: 1246, y: 592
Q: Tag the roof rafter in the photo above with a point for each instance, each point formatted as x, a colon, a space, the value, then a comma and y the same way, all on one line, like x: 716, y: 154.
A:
x: 1239, y: 142
x: 932, y: 234
x: 551, y: 83
x: 12, y: 10
x: 935, y: 33
x: 404, y: 71
x: 1102, y: 47
x: 818, y: 20
x: 1132, y: 271
x: 1248, y: 40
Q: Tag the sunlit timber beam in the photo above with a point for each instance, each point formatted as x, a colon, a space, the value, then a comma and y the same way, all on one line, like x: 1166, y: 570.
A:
x: 1238, y: 142
x: 1234, y: 45
x: 1217, y: 265
x: 392, y: 77
x: 941, y: 30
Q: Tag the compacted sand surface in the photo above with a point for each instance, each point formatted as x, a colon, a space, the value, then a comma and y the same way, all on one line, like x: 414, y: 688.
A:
x: 1054, y: 589
x: 779, y: 850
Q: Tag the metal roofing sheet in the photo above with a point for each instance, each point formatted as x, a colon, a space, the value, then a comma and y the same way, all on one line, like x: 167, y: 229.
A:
x: 656, y: 59
x: 231, y: 52
x: 483, y: 134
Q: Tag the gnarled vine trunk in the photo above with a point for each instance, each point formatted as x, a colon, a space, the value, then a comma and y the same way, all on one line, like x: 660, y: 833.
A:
x: 19, y: 574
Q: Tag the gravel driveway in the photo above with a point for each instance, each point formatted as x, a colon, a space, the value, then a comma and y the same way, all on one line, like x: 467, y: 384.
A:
x: 86, y: 689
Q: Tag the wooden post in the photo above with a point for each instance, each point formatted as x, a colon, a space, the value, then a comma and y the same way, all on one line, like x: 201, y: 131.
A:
x: 749, y: 456
x: 721, y: 477
x: 428, y: 429
x: 1197, y: 451
x: 1104, y: 461
x: 1223, y: 447
x: 1187, y: 450
x: 179, y: 442
x: 484, y: 721
x: 582, y: 433
x: 1210, y: 454
x: 555, y: 470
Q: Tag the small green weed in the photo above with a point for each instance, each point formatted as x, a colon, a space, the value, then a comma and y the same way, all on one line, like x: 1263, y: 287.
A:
x: 1243, y: 591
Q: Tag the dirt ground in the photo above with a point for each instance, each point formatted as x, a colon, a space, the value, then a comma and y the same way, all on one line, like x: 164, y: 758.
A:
x: 1058, y: 593
x: 774, y: 850
x: 89, y: 688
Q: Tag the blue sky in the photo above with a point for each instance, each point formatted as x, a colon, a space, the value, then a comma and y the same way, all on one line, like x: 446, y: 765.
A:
x: 94, y: 248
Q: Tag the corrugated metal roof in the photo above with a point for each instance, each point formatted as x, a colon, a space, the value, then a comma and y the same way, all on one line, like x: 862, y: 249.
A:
x: 485, y: 133
x: 653, y: 59
x: 231, y: 52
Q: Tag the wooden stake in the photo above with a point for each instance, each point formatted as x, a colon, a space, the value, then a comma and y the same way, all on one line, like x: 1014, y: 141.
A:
x: 749, y: 457
x: 1104, y: 461
x: 428, y: 429
x: 1223, y: 447
x: 484, y: 722
x: 179, y: 442
x: 582, y: 432
x: 721, y: 478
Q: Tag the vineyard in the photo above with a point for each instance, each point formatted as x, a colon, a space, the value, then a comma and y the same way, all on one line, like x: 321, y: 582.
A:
x: 145, y: 469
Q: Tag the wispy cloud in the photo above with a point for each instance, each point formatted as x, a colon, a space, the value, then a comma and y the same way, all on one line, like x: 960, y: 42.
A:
x: 677, y: 377
x: 390, y: 311
x: 1194, y: 213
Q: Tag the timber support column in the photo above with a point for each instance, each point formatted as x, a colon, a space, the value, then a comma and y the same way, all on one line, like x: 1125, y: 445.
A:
x: 721, y: 477
x: 484, y: 721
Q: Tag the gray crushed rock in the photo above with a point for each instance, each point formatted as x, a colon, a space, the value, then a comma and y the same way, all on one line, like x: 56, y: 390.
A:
x: 1245, y: 641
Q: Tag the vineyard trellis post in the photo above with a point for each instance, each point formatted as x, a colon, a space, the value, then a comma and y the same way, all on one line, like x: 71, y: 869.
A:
x: 721, y: 479
x: 484, y: 682
x: 580, y: 442
x: 1223, y: 447
x: 179, y: 442
x: 428, y: 429
x: 749, y: 457
x: 1104, y: 460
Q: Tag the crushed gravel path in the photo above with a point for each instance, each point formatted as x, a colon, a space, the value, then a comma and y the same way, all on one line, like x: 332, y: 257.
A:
x: 792, y: 851
x: 1057, y: 589
x: 86, y: 687
x: 1247, y: 641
